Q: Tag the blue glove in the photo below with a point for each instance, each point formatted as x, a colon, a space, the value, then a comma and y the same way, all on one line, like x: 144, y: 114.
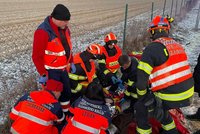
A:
x: 121, y: 86
x: 119, y: 83
x: 73, y: 68
x: 115, y: 80
x: 43, y: 79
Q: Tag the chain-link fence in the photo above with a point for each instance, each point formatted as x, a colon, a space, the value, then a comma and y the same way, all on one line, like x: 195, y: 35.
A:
x: 18, y: 74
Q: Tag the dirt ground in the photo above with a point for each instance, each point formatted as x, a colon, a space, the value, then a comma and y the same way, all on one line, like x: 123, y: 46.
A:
x: 86, y: 14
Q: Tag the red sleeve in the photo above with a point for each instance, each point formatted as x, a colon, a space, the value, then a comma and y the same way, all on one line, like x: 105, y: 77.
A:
x: 39, y: 45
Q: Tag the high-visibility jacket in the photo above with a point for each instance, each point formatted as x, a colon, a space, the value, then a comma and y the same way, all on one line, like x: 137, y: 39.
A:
x: 159, y: 54
x: 34, y: 113
x: 90, y: 117
x: 55, y: 55
x: 175, y: 70
x: 89, y: 74
x: 112, y: 63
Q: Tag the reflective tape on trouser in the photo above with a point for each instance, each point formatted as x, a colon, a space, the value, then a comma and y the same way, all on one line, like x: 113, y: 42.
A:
x: 85, y: 127
x: 144, y: 131
x: 35, y: 119
x: 65, y: 106
x: 13, y: 131
x: 169, y: 126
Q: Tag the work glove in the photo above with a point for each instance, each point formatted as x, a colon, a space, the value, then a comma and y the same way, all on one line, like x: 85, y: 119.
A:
x: 115, y: 80
x: 73, y: 68
x: 43, y: 79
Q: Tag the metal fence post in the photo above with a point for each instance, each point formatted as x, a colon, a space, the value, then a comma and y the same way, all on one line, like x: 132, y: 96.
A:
x: 152, y: 10
x: 197, y: 20
x: 181, y: 6
x: 172, y: 7
x: 176, y: 7
x: 125, y: 22
x: 164, y: 8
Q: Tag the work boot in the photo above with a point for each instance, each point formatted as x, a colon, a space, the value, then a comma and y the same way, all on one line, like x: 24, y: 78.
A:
x: 194, y: 117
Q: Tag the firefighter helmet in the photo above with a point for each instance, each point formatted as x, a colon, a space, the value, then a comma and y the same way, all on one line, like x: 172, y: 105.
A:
x: 110, y: 39
x: 94, y: 49
x: 159, y: 23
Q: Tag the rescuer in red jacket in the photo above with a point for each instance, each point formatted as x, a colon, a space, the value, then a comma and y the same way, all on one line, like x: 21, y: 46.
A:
x: 38, y: 112
x: 164, y: 65
x: 52, y: 51
x: 90, y: 113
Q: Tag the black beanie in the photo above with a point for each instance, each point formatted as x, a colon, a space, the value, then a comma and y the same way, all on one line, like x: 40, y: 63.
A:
x: 61, y: 12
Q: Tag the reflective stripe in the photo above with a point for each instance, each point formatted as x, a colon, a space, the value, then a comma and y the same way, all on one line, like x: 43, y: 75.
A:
x: 73, y: 76
x: 141, y: 92
x: 97, y: 47
x: 130, y: 83
x: 115, y: 71
x: 94, y: 76
x: 14, y: 111
x: 35, y: 119
x: 77, y: 89
x: 50, y: 67
x: 65, y: 110
x: 169, y: 126
x: 106, y: 71
x: 134, y: 95
x: 76, y: 77
x: 166, y: 53
x: 171, y: 78
x: 168, y: 69
x: 65, y: 103
x: 13, y: 131
x: 130, y: 94
x: 145, y: 67
x: 143, y: 131
x: 176, y: 97
x: 101, y: 61
x: 127, y: 93
x: 85, y: 127
x: 54, y: 53
x: 61, y: 119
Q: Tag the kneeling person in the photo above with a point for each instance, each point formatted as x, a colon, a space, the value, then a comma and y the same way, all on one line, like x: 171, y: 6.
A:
x: 36, y: 112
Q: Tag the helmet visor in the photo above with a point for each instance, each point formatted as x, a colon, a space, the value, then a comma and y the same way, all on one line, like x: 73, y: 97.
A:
x: 111, y: 42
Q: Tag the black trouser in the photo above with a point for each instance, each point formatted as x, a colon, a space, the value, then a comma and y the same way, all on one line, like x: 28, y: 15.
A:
x: 142, y: 117
x: 62, y: 76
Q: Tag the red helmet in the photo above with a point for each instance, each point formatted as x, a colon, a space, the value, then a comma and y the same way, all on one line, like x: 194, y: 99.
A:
x: 94, y: 49
x: 110, y: 38
x: 159, y: 22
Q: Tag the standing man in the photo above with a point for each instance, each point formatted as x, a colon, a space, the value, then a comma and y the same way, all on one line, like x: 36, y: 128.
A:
x: 164, y: 65
x: 52, y: 51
